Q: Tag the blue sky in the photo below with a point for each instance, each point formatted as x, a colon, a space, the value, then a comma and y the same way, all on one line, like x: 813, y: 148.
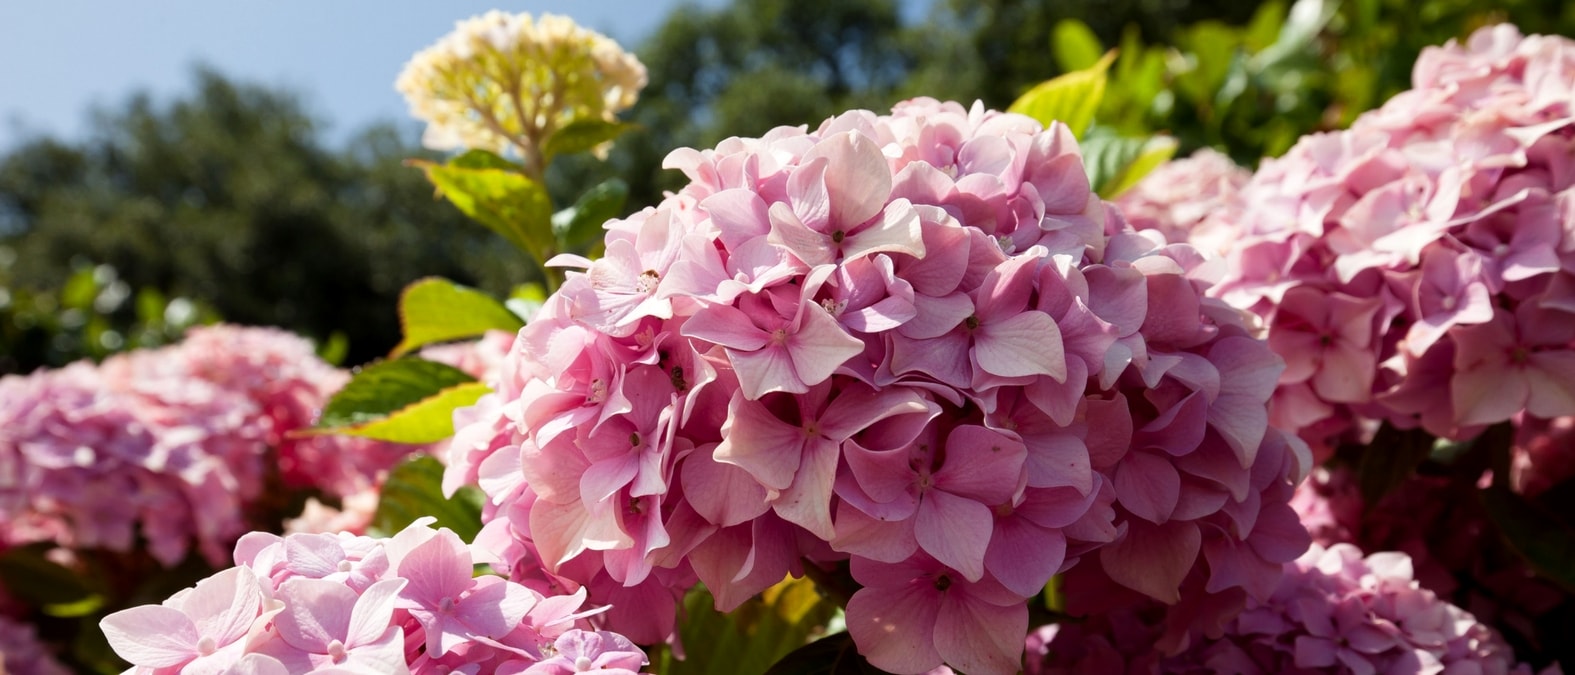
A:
x: 59, y: 57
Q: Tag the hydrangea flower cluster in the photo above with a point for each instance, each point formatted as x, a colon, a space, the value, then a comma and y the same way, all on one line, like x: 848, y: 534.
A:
x: 172, y: 444
x: 917, y: 344
x: 1334, y: 611
x: 1191, y: 200
x: 1417, y: 268
x: 345, y: 603
x: 1455, y: 549
x: 505, y: 82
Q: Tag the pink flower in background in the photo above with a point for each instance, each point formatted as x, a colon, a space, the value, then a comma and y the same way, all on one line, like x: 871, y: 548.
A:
x: 1333, y: 611
x: 173, y: 444
x: 891, y: 342
x: 407, y: 604
x: 1380, y: 255
x: 22, y: 654
x: 1193, y: 199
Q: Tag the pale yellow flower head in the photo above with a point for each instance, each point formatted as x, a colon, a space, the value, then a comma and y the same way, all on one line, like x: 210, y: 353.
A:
x: 505, y: 82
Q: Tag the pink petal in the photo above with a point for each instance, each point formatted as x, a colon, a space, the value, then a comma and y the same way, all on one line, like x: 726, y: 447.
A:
x: 1551, y: 378
x: 955, y: 530
x: 723, y: 494
x: 753, y: 439
x: 727, y: 326
x: 981, y: 464
x: 765, y: 371
x: 979, y: 638
x: 1488, y: 395
x: 897, y: 231
x: 495, y: 606
x: 1022, y: 345
x: 807, y: 502
x: 374, y: 610
x: 821, y: 345
x: 788, y: 232
x: 1153, y: 559
x: 857, y: 177
x: 1023, y: 556
x: 1148, y: 486
x: 225, y: 605
x: 316, y: 612
x: 153, y: 636
x: 894, y: 628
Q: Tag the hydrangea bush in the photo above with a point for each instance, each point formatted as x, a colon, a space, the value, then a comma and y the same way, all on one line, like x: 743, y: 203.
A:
x: 913, y: 357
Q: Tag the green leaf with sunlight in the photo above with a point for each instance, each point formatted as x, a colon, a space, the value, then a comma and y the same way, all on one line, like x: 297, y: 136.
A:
x: 415, y: 489
x: 437, y: 310
x: 1071, y: 99
x: 581, y: 224
x: 404, y: 401
x: 581, y: 135
x: 504, y: 200
x: 748, y: 640
x: 1075, y: 45
x: 1115, y: 164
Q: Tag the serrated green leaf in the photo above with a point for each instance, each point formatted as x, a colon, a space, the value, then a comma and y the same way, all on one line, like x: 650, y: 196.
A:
x: 1075, y: 45
x: 1132, y: 168
x: 582, y: 135
x: 1544, y: 538
x: 748, y: 640
x: 1071, y: 98
x: 404, y: 401
x: 436, y: 310
x: 504, y: 200
x: 581, y: 223
x: 415, y: 489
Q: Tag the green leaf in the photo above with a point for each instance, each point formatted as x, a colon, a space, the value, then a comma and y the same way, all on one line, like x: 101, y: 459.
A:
x: 1390, y: 459
x: 437, y: 310
x: 1116, y: 164
x: 35, y: 580
x: 504, y: 200
x: 1071, y: 98
x: 482, y: 159
x: 831, y: 655
x: 582, y: 135
x: 1306, y: 20
x: 752, y: 637
x: 415, y: 489
x: 403, y: 401
x: 1075, y: 45
x: 581, y: 224
x: 1542, y: 536
x: 335, y: 349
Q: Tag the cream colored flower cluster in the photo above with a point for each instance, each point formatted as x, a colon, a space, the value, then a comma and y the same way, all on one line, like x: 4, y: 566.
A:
x: 506, y: 82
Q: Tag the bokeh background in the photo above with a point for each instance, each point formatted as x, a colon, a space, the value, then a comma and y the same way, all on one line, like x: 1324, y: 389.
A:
x: 184, y: 162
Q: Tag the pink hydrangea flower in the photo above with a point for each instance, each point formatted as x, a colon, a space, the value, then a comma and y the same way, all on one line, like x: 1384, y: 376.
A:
x: 174, y: 444
x: 1412, y: 266
x: 1334, y: 611
x: 914, y: 344
x: 22, y: 654
x: 346, y: 603
x: 1193, y: 199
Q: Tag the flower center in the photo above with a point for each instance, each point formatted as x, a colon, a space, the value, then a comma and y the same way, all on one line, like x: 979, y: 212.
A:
x: 943, y: 582
x: 207, y: 645
x: 336, y: 651
x: 838, y: 236
x: 648, y: 281
x: 583, y: 664
x: 345, y: 566
x: 446, y: 605
x: 971, y: 322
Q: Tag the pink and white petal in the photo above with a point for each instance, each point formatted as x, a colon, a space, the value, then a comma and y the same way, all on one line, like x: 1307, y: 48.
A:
x: 495, y: 606
x: 858, y: 177
x: 820, y: 346
x: 807, y: 502
x: 604, y: 479
x: 374, y: 610
x: 386, y: 654
x: 723, y: 494
x: 765, y: 371
x: 897, y: 231
x: 727, y: 326
x: 894, y: 628
x: 790, y: 234
x: 316, y: 612
x: 152, y: 636
x: 225, y: 605
x: 755, y: 440
x: 1346, y: 374
x: 1022, y: 345
x: 937, y: 316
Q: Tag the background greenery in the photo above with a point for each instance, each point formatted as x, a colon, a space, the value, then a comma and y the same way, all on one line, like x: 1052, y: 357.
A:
x: 228, y: 202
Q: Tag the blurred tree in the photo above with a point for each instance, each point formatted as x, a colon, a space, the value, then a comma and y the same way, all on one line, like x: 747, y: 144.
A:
x: 228, y: 196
